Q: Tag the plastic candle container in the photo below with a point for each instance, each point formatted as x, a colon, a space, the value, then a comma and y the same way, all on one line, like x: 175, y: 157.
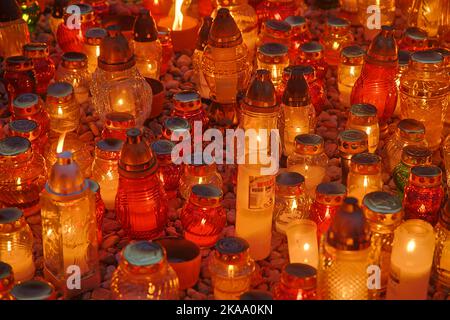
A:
x: 349, y: 70
x: 302, y: 242
x: 364, y: 117
x: 298, y: 282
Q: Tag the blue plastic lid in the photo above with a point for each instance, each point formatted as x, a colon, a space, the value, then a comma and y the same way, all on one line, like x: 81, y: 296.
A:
x: 8, y: 215
x: 143, y: 253
x: 32, y: 290
x: 13, y: 146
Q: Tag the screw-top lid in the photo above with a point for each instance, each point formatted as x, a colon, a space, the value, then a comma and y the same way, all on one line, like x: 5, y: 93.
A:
x: 363, y: 110
x: 276, y: 28
x: 337, y: 22
x: 426, y: 176
x: 382, y: 208
x: 353, y: 55
x: 366, y: 163
x: 162, y: 147
x: 9, y: 11
x: 296, y: 93
x: 300, y: 276
x: 94, y: 36
x: 349, y: 230
x: 256, y: 295
x: 206, y: 195
x: 295, y: 21
x: 14, y: 146
x: 6, y: 277
x: 18, y: 63
x: 260, y: 96
x: 119, y: 120
x: 331, y: 193
x: 26, y: 104
x: 308, y: 144
x: 311, y: 47
x: 411, y: 130
x: 416, y: 155
x: 290, y: 183
x: 33, y: 290
x: 74, y: 60
x: 352, y: 142
x: 383, y: 48
x: 416, y: 33
x: 427, y: 57
x: 11, y: 220
x: 187, y: 100
x: 60, y: 92
x: 224, y: 31
x: 136, y: 156
x: 231, y: 247
x: 24, y: 128
x: 115, y: 53
x: 143, y: 253
x: 109, y: 148
x: 273, y: 53
x: 66, y: 179
x: 144, y: 28
x: 36, y: 50
x: 203, y: 33
x: 175, y: 124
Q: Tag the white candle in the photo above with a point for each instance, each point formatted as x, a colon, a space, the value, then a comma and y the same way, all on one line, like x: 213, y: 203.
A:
x: 411, y: 260
x: 302, y: 242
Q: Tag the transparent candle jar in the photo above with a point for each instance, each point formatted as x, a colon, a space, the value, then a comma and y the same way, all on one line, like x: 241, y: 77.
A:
x: 300, y: 34
x: 203, y: 172
x: 384, y: 214
x: 91, y: 46
x: 344, y: 255
x: 144, y: 274
x: 424, y: 194
x: 302, y: 242
x: 44, y: 67
x: 298, y: 282
x: 203, y: 217
x: 414, y: 39
x: 117, y: 85
x: 297, y: 112
x: 188, y: 105
x: 13, y: 29
x: 99, y: 208
x: 105, y: 169
x: 428, y: 15
x: 231, y: 268
x: 424, y: 94
x: 291, y: 204
x: 349, y: 70
x: 175, y: 126
x: 411, y: 261
x: 277, y: 9
x: 310, y: 160
x: 6, y: 281
x: 34, y: 290
x: 386, y: 14
x: 312, y: 53
x: 403, y: 61
x: 446, y: 55
x: 273, y: 57
x: 337, y: 36
x: 328, y: 199
x: 225, y: 62
x: 364, y: 117
x: 141, y: 203
x: 22, y: 175
x: 69, y: 227
x: 408, y: 132
x: 350, y: 143
x: 30, y: 130
x: 167, y: 48
x: 376, y: 84
x: 169, y: 173
x: 30, y: 13
x: 275, y: 31
x: 69, y: 142
x: 29, y: 106
x: 259, y: 112
x: 62, y: 107
x: 73, y: 69
x: 439, y: 288
x: 202, y: 40
x: 246, y: 20
x: 19, y: 76
x: 16, y: 240
x: 364, y: 176
x: 70, y: 38
x: 146, y: 46
x: 117, y: 125
x: 411, y: 156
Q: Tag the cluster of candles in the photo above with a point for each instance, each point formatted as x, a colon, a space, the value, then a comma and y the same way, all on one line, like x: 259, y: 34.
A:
x: 336, y: 232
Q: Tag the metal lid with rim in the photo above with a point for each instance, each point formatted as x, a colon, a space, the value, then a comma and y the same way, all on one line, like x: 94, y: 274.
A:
x: 74, y: 60
x: 24, y: 128
x: 143, y: 253
x: 382, y: 208
x: 94, y: 36
x: 296, y: 93
x: 337, y: 22
x: 115, y: 52
x: 352, y: 142
x: 162, y: 147
x: 353, y: 55
x: 363, y: 114
x: 260, y: 96
x: 109, y: 148
x: 187, y: 100
x: 415, y: 33
x: 273, y: 53
x: 331, y: 193
x: 416, y: 155
x: 231, y: 249
x: 426, y: 176
x: 276, y: 28
x: 295, y: 21
x: 14, y: 146
x: 206, y: 195
x: 136, y: 156
x: 366, y: 163
x: 119, y: 120
x: 299, y: 275
x: 60, y: 92
x: 27, y: 104
x: 312, y: 47
x: 290, y: 183
x: 427, y: 57
x: 175, y: 124
x: 411, y: 130
x: 308, y: 144
x: 349, y: 230
x: 33, y: 290
x: 11, y: 220
x: 224, y: 31
x: 36, y: 50
x: 18, y: 63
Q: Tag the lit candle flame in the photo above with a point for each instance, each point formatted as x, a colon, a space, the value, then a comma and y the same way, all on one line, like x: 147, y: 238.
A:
x: 203, y: 221
x: 306, y: 246
x: 178, y: 21
x: 97, y: 51
x: 294, y: 204
x: 60, y: 146
x: 366, y: 182
x: 277, y: 16
x: 230, y: 271
x: 60, y: 112
x: 411, y: 246
x: 8, y: 246
x: 352, y: 71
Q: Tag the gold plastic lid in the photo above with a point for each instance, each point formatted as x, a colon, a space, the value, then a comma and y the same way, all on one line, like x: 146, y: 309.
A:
x: 296, y: 93
x: 18, y: 63
x: 260, y: 96
x: 11, y: 220
x: 36, y: 50
x: 276, y: 28
x: 366, y: 163
x: 353, y: 55
x: 231, y: 249
x: 24, y: 128
x: 94, y: 36
x: 136, y: 156
x: 352, y: 141
x: 300, y: 275
x: 273, y: 53
x: 416, y: 155
x: 206, y: 195
x: 224, y: 31
x: 411, y: 130
x: 291, y: 183
x: 383, y: 48
x: 331, y: 193
x: 115, y: 52
x: 74, y: 60
x: 308, y: 144
x: 187, y: 100
x: 382, y: 208
x: 426, y: 176
x: 27, y: 104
